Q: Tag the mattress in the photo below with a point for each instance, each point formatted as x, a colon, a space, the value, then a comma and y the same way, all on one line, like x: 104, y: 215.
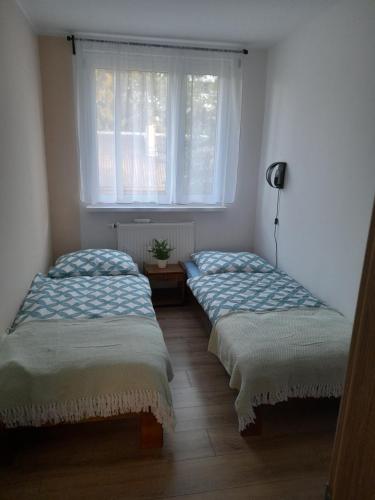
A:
x: 86, y: 297
x: 222, y: 294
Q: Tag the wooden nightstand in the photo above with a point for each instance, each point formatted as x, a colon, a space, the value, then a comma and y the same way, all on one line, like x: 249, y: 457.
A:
x: 172, y: 281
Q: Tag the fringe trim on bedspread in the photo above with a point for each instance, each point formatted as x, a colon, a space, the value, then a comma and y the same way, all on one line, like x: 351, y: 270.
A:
x: 72, y: 411
x: 283, y: 394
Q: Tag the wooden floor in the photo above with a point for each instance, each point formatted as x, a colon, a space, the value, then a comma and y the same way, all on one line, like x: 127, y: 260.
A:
x: 205, y: 459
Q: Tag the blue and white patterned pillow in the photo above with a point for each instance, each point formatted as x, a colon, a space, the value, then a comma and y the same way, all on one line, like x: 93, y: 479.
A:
x: 93, y: 262
x: 213, y: 262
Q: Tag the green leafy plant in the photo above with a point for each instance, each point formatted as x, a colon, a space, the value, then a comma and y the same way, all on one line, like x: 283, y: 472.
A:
x: 160, y: 249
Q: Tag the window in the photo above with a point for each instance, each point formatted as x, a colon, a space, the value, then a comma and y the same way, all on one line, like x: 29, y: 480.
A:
x: 157, y: 127
x: 131, y: 135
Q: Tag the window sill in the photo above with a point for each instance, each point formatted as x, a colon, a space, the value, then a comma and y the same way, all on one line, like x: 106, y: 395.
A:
x: 158, y: 208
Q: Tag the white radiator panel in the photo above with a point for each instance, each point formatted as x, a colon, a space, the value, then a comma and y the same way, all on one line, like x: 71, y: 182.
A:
x: 136, y: 239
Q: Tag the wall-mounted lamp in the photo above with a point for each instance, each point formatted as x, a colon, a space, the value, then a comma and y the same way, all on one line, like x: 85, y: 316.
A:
x: 275, y: 174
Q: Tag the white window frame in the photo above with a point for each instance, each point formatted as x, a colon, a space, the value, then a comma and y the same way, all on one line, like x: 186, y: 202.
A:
x: 227, y: 129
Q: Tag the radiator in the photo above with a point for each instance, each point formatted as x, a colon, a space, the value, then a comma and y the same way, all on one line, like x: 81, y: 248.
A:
x: 136, y: 239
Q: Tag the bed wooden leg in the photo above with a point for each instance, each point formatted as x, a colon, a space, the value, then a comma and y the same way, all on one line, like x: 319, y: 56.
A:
x: 254, y: 429
x: 151, y: 432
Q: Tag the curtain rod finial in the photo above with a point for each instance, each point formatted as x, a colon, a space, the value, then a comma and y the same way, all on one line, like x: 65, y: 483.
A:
x: 71, y: 38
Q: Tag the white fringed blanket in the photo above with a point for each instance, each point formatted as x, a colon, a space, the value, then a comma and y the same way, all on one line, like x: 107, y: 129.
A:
x: 274, y: 356
x: 68, y: 370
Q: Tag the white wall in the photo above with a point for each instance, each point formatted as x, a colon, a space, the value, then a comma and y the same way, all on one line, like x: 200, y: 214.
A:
x: 24, y: 222
x: 233, y: 228
x: 320, y: 118
x: 60, y: 143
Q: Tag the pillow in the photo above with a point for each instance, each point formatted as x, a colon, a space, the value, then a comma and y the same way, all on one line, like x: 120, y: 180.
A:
x: 191, y: 269
x: 212, y: 262
x: 93, y: 262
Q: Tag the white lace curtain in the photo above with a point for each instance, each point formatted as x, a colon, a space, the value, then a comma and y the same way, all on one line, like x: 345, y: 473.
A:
x: 157, y: 125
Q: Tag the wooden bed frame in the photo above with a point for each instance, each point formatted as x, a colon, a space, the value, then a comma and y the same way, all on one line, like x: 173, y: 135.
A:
x: 149, y: 429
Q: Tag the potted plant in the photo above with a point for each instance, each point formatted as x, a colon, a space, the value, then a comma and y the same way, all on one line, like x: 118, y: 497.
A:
x: 161, y: 251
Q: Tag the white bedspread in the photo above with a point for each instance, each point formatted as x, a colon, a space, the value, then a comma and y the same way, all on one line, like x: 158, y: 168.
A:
x: 274, y: 356
x: 68, y: 370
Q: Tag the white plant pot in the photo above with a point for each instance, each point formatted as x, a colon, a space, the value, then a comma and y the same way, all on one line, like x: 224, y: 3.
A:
x: 162, y: 264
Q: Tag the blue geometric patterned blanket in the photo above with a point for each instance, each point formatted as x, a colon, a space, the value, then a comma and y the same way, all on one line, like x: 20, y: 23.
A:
x: 221, y: 294
x: 86, y: 297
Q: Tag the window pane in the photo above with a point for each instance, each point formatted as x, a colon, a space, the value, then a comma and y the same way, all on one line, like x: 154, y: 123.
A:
x: 105, y: 82
x: 143, y: 113
x: 200, y: 135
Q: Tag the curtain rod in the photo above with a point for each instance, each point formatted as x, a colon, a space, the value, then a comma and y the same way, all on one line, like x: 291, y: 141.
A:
x: 73, y: 39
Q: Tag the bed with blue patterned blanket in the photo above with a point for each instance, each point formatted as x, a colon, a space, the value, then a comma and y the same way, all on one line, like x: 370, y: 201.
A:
x: 84, y: 347
x: 86, y: 297
x: 274, y: 338
x: 222, y: 294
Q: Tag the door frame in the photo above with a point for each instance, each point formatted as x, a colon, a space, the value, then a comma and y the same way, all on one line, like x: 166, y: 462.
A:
x: 353, y: 460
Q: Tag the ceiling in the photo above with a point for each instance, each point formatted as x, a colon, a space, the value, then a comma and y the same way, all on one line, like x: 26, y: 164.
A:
x: 250, y: 22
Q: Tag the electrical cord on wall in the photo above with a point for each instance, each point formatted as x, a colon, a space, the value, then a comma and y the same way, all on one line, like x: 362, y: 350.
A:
x: 276, y: 223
